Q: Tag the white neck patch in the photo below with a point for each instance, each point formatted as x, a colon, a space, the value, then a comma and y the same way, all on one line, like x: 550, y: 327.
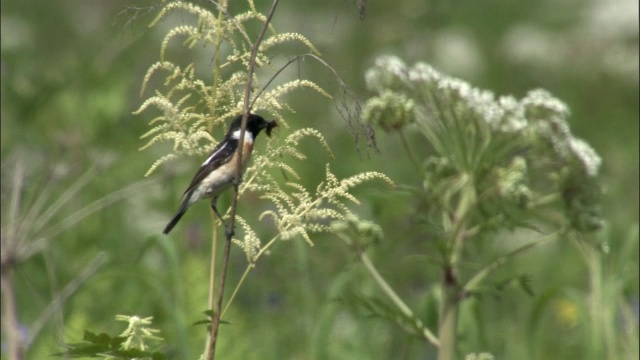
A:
x: 247, y: 135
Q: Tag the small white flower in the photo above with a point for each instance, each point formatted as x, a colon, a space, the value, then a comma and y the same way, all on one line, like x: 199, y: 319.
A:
x: 587, y: 156
x: 388, y: 72
x: 392, y: 64
x: 541, y: 102
x: 424, y: 74
x: 513, y: 118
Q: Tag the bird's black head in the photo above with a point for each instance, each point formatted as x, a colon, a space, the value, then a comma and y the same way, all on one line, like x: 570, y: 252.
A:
x: 255, y: 124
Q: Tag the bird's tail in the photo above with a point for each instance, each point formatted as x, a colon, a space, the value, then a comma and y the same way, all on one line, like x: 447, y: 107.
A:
x: 177, y: 216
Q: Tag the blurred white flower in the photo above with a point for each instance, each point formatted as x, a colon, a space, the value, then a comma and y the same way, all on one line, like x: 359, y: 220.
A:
x: 533, y: 46
x: 387, y: 72
x: 605, y: 39
x: 586, y: 155
x: 456, y: 51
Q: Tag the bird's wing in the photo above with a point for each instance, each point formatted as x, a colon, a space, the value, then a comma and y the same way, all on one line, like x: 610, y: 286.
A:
x: 222, y: 153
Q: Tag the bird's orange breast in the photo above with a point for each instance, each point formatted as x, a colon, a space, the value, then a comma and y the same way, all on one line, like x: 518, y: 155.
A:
x: 246, y: 153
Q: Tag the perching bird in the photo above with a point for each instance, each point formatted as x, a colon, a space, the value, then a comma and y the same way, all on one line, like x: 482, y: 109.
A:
x: 218, y: 172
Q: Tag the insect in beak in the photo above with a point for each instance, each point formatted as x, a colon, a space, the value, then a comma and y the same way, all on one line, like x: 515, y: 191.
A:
x: 272, y: 124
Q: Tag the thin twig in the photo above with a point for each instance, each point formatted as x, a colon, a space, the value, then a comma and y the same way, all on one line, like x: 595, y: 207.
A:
x: 346, y: 91
x: 341, y: 82
x: 227, y: 247
x: 212, y: 279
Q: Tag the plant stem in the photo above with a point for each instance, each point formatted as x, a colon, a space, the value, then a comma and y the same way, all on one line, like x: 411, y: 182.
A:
x: 212, y: 280
x: 234, y: 204
x: 208, y: 351
x: 452, y: 293
x: 10, y: 324
x: 216, y: 315
x: 426, y: 333
x: 599, y: 308
x: 448, y: 315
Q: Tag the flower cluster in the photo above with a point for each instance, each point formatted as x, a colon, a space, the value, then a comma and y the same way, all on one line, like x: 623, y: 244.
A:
x: 513, y: 149
x: 188, y: 107
x: 137, y: 333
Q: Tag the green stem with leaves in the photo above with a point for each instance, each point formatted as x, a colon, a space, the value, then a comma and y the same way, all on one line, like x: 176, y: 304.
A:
x: 222, y: 6
x: 452, y: 293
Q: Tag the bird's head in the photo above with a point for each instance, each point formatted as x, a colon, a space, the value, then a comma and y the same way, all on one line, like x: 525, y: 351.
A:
x: 255, y: 124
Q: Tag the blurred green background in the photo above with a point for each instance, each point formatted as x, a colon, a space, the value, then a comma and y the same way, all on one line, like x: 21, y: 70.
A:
x: 71, y: 74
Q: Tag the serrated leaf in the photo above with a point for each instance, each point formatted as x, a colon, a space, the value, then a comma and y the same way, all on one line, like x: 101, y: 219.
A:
x: 84, y: 350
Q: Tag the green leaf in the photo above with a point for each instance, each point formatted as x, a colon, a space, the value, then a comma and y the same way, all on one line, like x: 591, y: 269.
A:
x: 210, y: 313
x: 101, y: 339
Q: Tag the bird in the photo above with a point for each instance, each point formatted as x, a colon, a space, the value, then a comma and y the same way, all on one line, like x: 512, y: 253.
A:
x: 218, y: 171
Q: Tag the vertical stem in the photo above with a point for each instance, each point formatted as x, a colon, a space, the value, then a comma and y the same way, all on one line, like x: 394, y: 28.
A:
x: 448, y: 315
x: 216, y: 316
x: 212, y: 281
x: 600, y: 319
x: 222, y: 8
x: 234, y: 202
x: 452, y: 292
x: 10, y: 324
x: 598, y: 308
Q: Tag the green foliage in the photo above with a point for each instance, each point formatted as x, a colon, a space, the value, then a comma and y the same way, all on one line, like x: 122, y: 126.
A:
x: 192, y: 107
x: 203, y: 104
x: 131, y: 344
x: 209, y: 319
x: 498, y: 164
x: 68, y: 90
x: 512, y: 154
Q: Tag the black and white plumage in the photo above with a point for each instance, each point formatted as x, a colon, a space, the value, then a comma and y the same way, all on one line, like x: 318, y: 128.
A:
x: 216, y: 174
